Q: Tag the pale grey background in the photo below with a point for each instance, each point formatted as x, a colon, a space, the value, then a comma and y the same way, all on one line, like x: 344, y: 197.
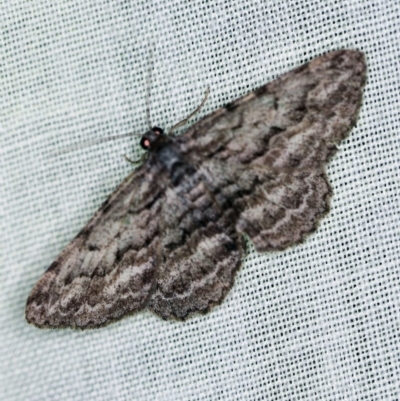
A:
x: 317, y: 322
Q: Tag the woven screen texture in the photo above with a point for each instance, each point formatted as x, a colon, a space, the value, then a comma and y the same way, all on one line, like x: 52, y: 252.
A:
x: 319, y: 321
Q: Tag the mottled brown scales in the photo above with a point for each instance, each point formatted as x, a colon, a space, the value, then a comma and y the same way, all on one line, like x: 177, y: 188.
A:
x: 170, y: 237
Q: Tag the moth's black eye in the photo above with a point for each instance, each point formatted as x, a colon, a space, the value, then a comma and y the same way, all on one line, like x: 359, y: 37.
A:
x: 157, y: 130
x: 150, y: 138
x: 145, y: 143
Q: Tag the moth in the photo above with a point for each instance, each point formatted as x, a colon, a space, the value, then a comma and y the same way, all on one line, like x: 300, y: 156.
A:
x: 170, y: 238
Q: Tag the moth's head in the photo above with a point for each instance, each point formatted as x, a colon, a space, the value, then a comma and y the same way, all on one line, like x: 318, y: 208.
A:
x: 150, y: 138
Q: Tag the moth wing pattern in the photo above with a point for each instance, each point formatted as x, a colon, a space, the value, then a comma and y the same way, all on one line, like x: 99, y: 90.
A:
x: 292, y: 121
x: 173, y: 242
x: 201, y: 250
x: 276, y: 209
x: 280, y: 138
x: 108, y: 270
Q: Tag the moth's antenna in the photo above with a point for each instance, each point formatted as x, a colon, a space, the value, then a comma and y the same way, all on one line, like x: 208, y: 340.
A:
x: 148, y: 85
x: 111, y: 138
x: 95, y: 142
x: 183, y: 122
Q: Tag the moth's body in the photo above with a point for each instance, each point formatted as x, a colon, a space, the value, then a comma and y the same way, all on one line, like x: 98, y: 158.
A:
x: 170, y: 237
x: 165, y: 150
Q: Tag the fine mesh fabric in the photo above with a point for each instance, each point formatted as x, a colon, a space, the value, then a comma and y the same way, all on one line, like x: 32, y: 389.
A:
x: 319, y: 321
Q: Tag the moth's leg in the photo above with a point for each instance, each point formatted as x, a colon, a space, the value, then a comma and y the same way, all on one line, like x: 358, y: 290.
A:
x: 138, y: 161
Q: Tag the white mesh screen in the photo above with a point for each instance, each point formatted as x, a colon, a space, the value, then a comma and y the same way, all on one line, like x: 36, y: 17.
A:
x: 319, y: 321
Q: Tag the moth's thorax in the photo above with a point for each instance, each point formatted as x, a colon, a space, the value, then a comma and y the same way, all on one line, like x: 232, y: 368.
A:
x: 165, y: 151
